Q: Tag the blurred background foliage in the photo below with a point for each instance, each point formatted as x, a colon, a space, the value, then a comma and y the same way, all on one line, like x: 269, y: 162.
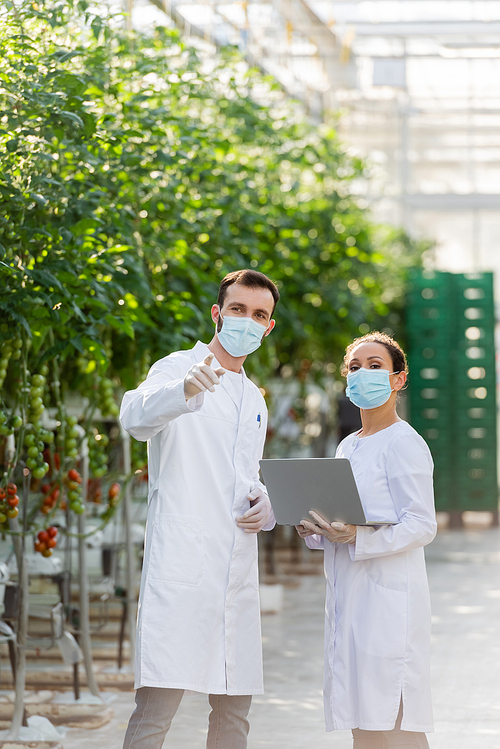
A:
x: 136, y: 173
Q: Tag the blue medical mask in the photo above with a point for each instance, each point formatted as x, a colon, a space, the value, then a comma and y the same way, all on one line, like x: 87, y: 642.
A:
x: 240, y: 336
x: 369, y: 388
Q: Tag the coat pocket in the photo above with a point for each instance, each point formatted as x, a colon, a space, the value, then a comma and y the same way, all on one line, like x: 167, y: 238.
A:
x: 252, y: 442
x: 379, y: 620
x: 177, y: 550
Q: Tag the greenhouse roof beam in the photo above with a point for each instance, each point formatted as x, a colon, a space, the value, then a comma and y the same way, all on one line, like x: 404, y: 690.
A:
x: 337, y: 58
x: 408, y: 2
x: 305, y: 20
x: 206, y: 33
x: 182, y: 23
x: 429, y: 28
x: 452, y: 201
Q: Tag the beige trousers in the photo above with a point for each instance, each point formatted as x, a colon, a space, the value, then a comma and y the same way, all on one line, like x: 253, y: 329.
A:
x: 395, y: 739
x: 150, y: 722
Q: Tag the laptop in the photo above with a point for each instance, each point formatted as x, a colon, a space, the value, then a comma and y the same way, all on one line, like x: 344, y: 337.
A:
x: 326, y: 485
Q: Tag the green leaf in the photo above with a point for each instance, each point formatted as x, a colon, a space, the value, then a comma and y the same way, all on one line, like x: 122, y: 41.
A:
x: 122, y: 325
x: 72, y: 118
x: 45, y: 278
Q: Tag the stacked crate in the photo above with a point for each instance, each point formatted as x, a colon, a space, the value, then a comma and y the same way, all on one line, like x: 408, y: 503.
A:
x: 452, y: 391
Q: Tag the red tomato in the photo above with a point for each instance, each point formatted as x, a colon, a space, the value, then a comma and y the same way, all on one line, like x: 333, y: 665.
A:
x: 45, y: 489
x: 3, y: 494
x: 51, y: 543
x: 13, y: 501
x: 52, y: 531
x: 11, y: 489
x: 114, y: 490
x: 40, y: 547
x: 43, y: 537
x: 73, y: 475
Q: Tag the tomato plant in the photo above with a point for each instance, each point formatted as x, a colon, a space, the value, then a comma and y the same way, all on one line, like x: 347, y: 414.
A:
x: 133, y: 178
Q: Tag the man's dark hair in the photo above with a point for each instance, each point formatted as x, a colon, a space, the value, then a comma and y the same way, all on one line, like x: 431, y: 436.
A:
x: 252, y: 279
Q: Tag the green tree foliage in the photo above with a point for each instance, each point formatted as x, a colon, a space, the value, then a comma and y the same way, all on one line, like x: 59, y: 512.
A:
x: 134, y: 175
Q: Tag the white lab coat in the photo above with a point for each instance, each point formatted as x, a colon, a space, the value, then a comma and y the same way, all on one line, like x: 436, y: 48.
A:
x: 377, y: 631
x: 199, y: 615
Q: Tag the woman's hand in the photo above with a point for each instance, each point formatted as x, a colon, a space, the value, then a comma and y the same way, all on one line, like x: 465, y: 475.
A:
x: 338, y: 533
x: 304, y: 532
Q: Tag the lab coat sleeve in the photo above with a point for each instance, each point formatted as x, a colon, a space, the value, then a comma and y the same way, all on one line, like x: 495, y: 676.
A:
x: 159, y: 399
x: 315, y: 542
x: 271, y: 522
x: 409, y: 474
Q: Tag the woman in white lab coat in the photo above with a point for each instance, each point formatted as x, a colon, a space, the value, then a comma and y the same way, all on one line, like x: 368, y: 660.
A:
x: 377, y: 629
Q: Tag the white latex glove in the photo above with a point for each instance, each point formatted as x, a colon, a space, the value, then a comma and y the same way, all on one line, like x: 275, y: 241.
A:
x: 201, y: 377
x: 303, y: 532
x: 338, y: 533
x: 257, y: 516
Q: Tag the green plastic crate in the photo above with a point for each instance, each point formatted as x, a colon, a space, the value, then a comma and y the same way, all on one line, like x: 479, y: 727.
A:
x: 452, y: 392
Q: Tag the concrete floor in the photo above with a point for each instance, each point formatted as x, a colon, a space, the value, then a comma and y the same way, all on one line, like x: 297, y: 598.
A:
x: 464, y: 574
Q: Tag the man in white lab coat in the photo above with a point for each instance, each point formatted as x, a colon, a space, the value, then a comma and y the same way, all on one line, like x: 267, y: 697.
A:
x: 199, y: 620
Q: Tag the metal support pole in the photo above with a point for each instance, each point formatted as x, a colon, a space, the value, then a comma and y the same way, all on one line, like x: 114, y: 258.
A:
x: 129, y: 546
x: 471, y: 176
x: 20, y: 677
x: 84, y: 630
x: 128, y: 7
x: 22, y: 628
x: 76, y: 682
x: 121, y: 636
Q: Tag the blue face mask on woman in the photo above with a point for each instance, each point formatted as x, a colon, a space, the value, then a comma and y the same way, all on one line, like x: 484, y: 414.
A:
x: 369, y: 388
x: 240, y: 336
